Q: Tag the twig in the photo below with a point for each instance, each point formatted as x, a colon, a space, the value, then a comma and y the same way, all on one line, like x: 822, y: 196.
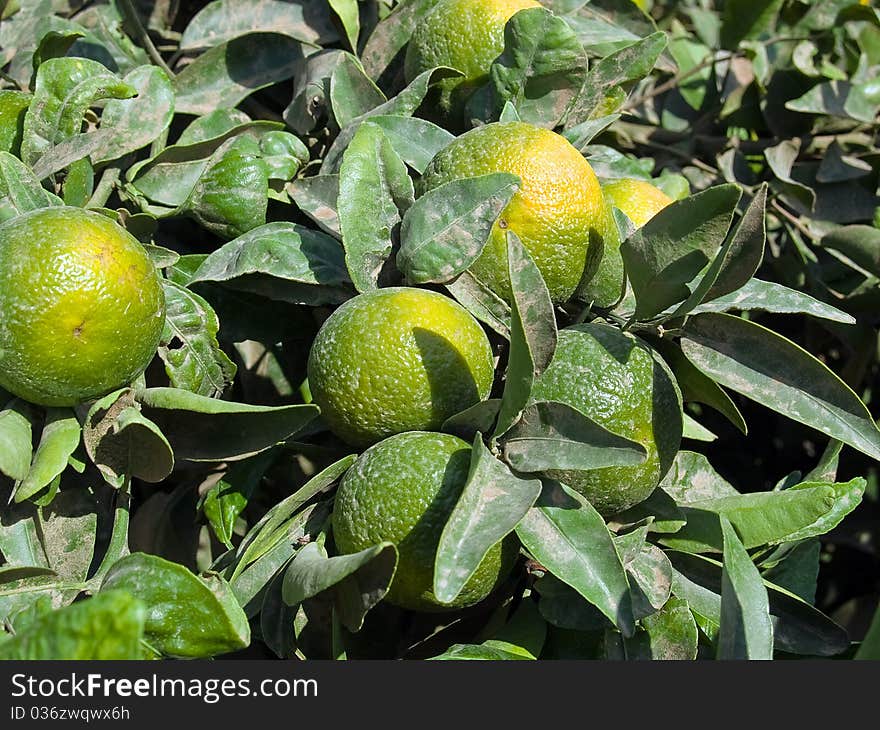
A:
x: 677, y: 79
x: 130, y: 14
x: 105, y: 188
x: 792, y: 219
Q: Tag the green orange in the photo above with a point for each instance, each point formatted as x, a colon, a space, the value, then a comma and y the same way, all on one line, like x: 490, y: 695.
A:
x: 619, y: 382
x: 397, y: 359
x: 403, y: 490
x: 559, y: 212
x: 466, y: 35
x: 82, y: 307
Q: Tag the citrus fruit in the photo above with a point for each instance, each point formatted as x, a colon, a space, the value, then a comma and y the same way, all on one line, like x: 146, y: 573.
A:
x: 466, y: 35
x: 13, y: 105
x: 639, y: 201
x: 402, y: 490
x: 81, y: 306
x: 397, y: 359
x: 616, y: 380
x: 558, y: 213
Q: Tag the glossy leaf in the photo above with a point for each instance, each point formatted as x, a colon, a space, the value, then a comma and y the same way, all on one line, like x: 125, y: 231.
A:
x: 417, y: 141
x: 375, y: 191
x: 283, y: 261
x: 224, y: 20
x: 235, y: 69
x: 693, y: 479
x: 352, y: 92
x: 106, y: 626
x: 16, y: 422
x: 206, y: 429
x: 446, y: 229
x: 779, y: 374
x: 20, y: 190
x: 491, y: 504
x: 482, y: 302
x: 189, y: 616
x: 59, y: 439
x: 745, y: 630
x: 318, y: 198
x: 227, y: 499
x: 359, y: 581
x: 666, y: 254
x: 533, y: 332
x: 553, y: 435
x: 567, y: 536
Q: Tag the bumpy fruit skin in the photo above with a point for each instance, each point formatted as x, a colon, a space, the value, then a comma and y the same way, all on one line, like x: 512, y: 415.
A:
x: 462, y: 34
x: 397, y: 359
x: 640, y: 201
x: 558, y: 213
x: 81, y: 306
x: 617, y: 380
x: 403, y: 490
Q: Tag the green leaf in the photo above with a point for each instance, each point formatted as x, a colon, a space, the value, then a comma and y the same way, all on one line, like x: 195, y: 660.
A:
x: 772, y: 370
x: 404, y: 104
x: 349, y: 15
x: 375, y: 191
x: 698, y: 387
x: 650, y: 580
x: 225, y: 20
x: 482, y: 302
x: 742, y: 19
x: 417, y: 141
x: 858, y: 243
x: 358, y: 581
x: 352, y: 92
x: 233, y: 70
x: 745, y: 630
x: 227, y: 499
x: 189, y: 616
x: 768, y: 518
x: 669, y: 634
x: 693, y: 429
x: 446, y: 229
x: 16, y: 420
x: 272, y: 527
x: 839, y: 99
x: 630, y: 63
x: 691, y: 478
x: 20, y: 190
x: 665, y: 255
x: 870, y: 646
x: 196, y: 363
x: 768, y: 296
x: 738, y: 259
x: 318, y: 198
x: 781, y: 159
x: 282, y: 261
x: 55, y: 44
x: 487, y: 651
x: 491, y: 504
x: 795, y: 567
x: 541, y: 70
x: 206, y: 429
x: 123, y: 443
x: 106, y: 626
x: 798, y: 627
x: 65, y: 89
x: 392, y: 34
x: 567, y: 536
x: 533, y: 332
x: 59, y: 439
x: 552, y: 436
x: 478, y: 419
x: 230, y: 197
x: 582, y: 134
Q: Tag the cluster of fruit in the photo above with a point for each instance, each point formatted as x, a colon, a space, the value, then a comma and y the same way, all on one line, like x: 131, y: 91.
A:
x: 82, y: 312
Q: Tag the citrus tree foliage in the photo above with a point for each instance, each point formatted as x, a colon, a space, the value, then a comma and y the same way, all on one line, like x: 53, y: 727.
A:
x: 268, y: 155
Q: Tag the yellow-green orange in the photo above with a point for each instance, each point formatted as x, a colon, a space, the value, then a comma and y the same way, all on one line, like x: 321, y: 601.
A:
x: 81, y: 306
x: 639, y: 201
x: 616, y: 380
x: 397, y: 359
x: 559, y: 212
x: 403, y: 490
x: 466, y: 35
